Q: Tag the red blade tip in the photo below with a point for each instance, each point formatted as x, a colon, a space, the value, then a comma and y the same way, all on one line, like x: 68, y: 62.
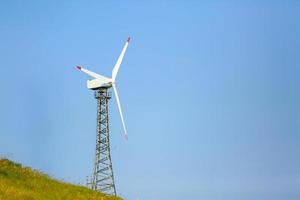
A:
x: 78, y: 67
x: 128, y: 40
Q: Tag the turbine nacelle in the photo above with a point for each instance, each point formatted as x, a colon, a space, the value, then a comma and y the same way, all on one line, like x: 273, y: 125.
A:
x: 99, y: 81
x: 95, y: 84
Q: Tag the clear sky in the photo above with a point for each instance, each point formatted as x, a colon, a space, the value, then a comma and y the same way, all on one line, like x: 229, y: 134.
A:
x: 210, y: 92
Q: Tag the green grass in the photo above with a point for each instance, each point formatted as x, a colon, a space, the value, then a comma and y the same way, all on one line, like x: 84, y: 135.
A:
x: 17, y: 182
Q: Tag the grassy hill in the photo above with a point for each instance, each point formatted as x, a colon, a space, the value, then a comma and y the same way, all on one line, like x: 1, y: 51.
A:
x: 17, y: 182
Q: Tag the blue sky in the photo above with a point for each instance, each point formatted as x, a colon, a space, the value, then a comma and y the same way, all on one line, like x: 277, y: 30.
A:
x: 210, y: 94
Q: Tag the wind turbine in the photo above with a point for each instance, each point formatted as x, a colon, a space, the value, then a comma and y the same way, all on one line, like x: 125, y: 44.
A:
x: 103, y: 179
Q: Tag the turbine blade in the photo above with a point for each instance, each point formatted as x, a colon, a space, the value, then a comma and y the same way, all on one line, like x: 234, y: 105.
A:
x: 120, y: 110
x: 93, y: 74
x: 119, y: 61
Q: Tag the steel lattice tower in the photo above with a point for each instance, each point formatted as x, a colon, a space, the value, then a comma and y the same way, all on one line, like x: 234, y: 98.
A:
x: 103, y: 176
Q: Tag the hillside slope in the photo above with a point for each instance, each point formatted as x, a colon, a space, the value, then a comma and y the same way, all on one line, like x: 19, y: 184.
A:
x: 17, y: 182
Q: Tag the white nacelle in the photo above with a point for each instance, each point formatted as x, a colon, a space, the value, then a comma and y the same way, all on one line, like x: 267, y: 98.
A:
x: 97, y: 83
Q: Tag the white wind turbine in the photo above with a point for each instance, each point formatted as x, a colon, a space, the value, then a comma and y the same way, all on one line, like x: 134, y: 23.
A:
x: 101, y: 81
